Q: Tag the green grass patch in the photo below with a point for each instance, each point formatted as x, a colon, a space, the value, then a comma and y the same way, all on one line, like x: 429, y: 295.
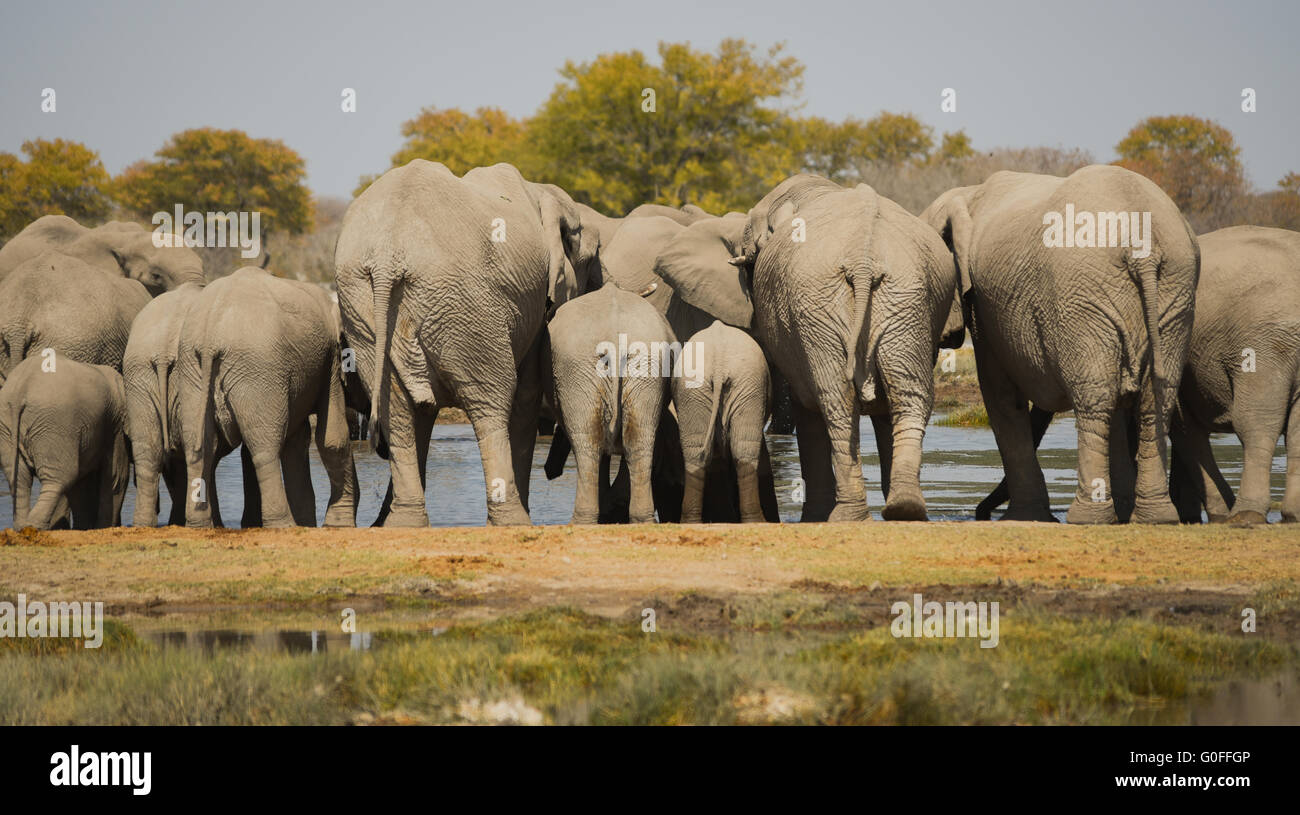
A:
x: 968, y: 416
x: 564, y: 666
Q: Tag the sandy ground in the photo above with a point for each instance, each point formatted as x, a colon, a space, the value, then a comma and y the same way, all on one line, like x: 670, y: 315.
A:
x: 702, y: 572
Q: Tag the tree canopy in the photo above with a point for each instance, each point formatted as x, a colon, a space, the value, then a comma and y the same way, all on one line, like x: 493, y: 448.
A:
x: 59, y: 177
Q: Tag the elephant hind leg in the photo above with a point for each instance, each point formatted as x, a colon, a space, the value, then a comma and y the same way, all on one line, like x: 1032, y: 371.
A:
x: 814, y: 464
x: 51, y: 504
x: 1012, y: 426
x: 295, y: 463
x: 1265, y: 418
x: 1094, y: 501
x: 1291, y: 500
x: 21, y: 485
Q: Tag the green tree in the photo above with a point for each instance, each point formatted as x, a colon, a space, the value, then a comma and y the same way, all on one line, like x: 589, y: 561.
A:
x: 697, y: 128
x: 210, y: 170
x: 59, y: 177
x: 843, y: 151
x: 459, y: 140
x: 1196, y: 161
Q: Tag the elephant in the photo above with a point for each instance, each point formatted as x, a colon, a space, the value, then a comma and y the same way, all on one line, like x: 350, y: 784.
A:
x: 848, y: 295
x: 1092, y: 315
x: 722, y: 393
x: 1242, y: 375
x: 611, y: 356
x: 57, y: 304
x: 118, y: 248
x: 258, y: 356
x: 64, y: 422
x: 153, y: 402
x: 445, y: 283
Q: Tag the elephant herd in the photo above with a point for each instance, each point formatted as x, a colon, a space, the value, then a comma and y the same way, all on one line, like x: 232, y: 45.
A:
x: 658, y: 338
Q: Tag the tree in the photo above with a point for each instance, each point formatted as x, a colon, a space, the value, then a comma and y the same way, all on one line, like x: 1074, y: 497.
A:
x: 1196, y: 161
x: 846, y: 151
x: 210, y: 170
x: 459, y: 140
x: 697, y: 128
x: 59, y: 177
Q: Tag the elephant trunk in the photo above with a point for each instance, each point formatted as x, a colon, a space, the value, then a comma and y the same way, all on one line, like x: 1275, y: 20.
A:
x: 383, y: 287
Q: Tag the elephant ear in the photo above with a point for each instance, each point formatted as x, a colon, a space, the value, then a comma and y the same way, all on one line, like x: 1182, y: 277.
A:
x: 952, y: 219
x: 697, y: 264
x: 563, y: 230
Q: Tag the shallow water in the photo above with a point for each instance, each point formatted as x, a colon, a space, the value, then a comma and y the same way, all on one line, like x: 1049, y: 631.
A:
x: 959, y: 467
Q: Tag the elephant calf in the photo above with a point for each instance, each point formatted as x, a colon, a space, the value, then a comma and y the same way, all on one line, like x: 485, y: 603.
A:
x: 611, y: 354
x: 65, y: 422
x: 722, y: 391
x: 258, y: 356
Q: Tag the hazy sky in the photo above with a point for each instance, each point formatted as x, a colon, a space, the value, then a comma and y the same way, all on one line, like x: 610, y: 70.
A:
x: 1071, y: 74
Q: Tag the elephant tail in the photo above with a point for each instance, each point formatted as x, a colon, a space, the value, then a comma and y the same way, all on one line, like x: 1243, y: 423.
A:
x: 718, y: 384
x: 1149, y: 288
x: 861, y: 276
x: 15, y: 416
x: 383, y: 283
x: 612, y: 398
x: 160, y: 370
x: 207, y: 429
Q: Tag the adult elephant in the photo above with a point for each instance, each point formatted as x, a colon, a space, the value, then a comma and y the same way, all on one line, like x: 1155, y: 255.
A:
x: 849, y: 294
x: 1242, y: 374
x: 258, y: 356
x: 444, y: 283
x: 117, y: 248
x: 151, y: 373
x: 1089, y: 311
x: 54, y: 303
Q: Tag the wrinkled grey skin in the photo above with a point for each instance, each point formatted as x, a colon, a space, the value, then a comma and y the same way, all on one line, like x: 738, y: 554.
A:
x: 612, y: 408
x: 454, y: 318
x: 153, y: 403
x: 1248, y: 298
x: 1074, y: 328
x: 116, y: 248
x: 258, y: 356
x: 56, y: 301
x: 721, y: 414
x: 852, y: 317
x: 66, y: 427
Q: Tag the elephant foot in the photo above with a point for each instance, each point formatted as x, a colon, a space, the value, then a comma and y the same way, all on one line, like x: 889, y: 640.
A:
x: 1091, y: 512
x: 1217, y: 518
x: 1029, y: 512
x: 279, y: 523
x: 1154, y: 512
x: 198, y: 523
x: 905, y: 507
x: 1290, y: 516
x: 407, y: 517
x: 642, y: 519
x: 585, y: 519
x: 753, y: 518
x: 340, y: 516
x: 1247, y: 517
x: 512, y: 514
x: 849, y: 512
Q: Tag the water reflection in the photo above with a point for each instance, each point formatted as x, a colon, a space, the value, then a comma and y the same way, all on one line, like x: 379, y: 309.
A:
x: 959, y: 467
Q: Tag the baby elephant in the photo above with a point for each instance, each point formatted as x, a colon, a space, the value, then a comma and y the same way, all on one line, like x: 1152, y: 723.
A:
x: 611, y: 356
x: 721, y: 389
x: 65, y: 422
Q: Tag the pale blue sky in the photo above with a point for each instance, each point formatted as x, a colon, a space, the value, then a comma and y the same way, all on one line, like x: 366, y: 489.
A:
x: 129, y: 74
